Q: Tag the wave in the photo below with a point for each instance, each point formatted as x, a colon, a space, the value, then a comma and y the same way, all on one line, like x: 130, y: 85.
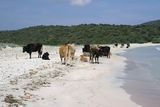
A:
x: 158, y: 48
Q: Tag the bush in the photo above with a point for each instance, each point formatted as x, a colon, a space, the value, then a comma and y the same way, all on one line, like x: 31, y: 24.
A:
x: 156, y: 40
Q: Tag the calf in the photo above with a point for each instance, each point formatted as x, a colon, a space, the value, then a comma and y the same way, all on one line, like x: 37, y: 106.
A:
x: 83, y: 58
x: 45, y: 56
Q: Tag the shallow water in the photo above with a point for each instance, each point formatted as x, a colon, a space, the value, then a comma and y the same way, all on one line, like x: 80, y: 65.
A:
x: 142, y: 79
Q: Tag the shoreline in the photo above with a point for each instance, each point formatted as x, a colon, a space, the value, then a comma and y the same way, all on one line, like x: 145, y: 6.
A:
x: 139, y: 82
x: 89, y: 87
x: 83, y: 85
x: 96, y: 86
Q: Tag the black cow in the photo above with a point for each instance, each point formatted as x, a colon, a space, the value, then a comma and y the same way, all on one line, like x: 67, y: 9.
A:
x: 86, y: 48
x: 45, y: 56
x: 122, y: 45
x: 116, y: 44
x: 128, y: 45
x: 105, y: 51
x: 33, y: 47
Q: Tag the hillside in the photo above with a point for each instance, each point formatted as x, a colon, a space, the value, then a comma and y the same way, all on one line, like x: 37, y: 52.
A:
x: 84, y: 33
x: 153, y: 23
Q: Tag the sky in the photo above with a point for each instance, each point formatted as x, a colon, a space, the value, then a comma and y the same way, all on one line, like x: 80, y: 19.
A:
x: 17, y: 14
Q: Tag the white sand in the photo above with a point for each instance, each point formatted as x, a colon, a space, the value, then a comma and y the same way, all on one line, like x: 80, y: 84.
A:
x: 40, y: 83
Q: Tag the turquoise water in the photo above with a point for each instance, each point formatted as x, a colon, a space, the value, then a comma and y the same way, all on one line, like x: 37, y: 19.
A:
x: 142, y: 79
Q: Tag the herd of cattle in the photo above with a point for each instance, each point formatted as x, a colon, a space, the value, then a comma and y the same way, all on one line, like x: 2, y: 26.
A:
x: 91, y: 53
x: 95, y: 51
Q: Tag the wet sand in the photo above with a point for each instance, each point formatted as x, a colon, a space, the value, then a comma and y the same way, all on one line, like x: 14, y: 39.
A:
x: 139, y: 81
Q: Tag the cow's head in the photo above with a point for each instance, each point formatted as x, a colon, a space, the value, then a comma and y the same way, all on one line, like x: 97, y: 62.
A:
x: 24, y: 49
x: 47, y: 53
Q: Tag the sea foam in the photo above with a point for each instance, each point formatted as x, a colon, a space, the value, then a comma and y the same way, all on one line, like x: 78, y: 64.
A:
x: 158, y: 48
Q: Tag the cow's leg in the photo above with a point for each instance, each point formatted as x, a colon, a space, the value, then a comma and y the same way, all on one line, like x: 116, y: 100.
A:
x: 95, y: 59
x: 30, y: 55
x: 98, y: 59
x: 67, y: 59
x: 109, y: 55
x: 90, y: 57
x: 72, y: 58
x: 39, y: 54
x: 62, y: 60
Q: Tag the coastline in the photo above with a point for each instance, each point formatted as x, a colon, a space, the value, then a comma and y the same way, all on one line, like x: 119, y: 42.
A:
x: 140, y: 82
x: 90, y: 86
x: 83, y: 85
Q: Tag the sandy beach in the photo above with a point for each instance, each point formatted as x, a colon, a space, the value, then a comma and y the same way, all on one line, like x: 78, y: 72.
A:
x: 36, y: 82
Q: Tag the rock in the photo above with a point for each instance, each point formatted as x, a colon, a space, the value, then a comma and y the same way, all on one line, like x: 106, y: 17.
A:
x: 10, y: 99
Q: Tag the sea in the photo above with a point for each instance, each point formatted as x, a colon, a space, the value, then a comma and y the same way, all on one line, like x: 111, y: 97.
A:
x: 142, y: 75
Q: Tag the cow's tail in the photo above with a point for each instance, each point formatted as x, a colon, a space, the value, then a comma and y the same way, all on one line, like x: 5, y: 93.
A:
x: 41, y: 49
x: 68, y: 53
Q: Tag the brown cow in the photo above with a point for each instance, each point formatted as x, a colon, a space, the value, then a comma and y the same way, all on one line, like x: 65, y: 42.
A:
x: 66, y: 52
x: 94, y: 54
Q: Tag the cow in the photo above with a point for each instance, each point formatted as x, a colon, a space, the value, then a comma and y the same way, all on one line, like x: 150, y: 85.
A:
x: 128, y: 45
x: 94, y: 54
x: 86, y: 48
x: 33, y: 47
x: 105, y: 51
x: 66, y: 52
x: 45, y: 56
x: 122, y: 45
x: 83, y: 58
x: 116, y: 44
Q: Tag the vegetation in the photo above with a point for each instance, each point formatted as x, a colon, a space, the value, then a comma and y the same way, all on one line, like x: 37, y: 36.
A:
x: 4, y: 45
x: 84, y: 33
